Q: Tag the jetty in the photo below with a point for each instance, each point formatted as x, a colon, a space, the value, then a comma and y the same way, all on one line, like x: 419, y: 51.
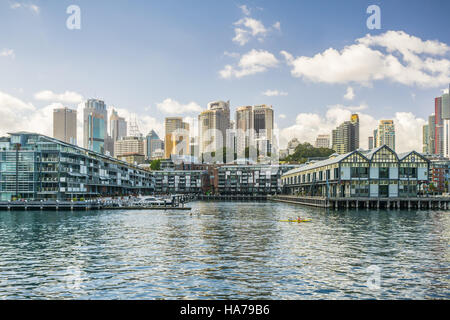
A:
x: 438, y: 203
x: 233, y: 197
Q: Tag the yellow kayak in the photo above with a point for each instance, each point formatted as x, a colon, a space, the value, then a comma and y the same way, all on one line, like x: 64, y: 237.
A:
x: 295, y: 220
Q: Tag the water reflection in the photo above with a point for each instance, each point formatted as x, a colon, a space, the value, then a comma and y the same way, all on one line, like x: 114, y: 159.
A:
x: 224, y: 250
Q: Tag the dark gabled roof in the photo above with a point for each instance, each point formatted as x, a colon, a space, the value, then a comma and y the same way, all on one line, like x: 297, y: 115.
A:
x: 372, y: 152
x: 326, y: 162
x: 403, y: 155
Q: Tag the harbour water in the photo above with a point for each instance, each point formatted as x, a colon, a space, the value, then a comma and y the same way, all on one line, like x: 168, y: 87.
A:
x: 225, y: 250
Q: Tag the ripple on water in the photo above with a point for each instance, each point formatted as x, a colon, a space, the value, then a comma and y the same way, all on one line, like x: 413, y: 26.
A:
x: 224, y: 251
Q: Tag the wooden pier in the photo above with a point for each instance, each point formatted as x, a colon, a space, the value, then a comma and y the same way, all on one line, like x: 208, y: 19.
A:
x: 49, y: 205
x: 81, y: 205
x: 428, y: 203
x: 234, y: 197
x: 147, y: 208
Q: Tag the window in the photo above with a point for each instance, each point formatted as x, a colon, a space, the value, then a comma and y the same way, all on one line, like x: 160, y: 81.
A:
x: 359, y: 172
x: 384, y: 173
x: 336, y: 173
x: 408, y: 173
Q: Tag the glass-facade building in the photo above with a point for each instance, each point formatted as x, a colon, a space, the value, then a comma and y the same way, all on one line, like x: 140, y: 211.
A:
x: 34, y: 166
x: 95, y: 125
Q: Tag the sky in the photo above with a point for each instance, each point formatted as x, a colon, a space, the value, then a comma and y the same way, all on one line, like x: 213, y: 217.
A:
x: 315, y: 62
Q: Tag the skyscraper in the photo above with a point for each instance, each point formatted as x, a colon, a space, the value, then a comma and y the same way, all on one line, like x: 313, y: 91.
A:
x: 254, y: 128
x: 431, y: 134
x: 346, y: 136
x: 445, y: 105
x: 386, y: 134
x: 438, y: 127
x: 263, y: 122
x: 244, y: 128
x: 213, y: 124
x: 65, y: 125
x: 176, y: 140
x: 425, y: 138
x: 152, y: 143
x: 375, y: 138
x: 370, y: 143
x: 95, y: 125
x: 118, y: 126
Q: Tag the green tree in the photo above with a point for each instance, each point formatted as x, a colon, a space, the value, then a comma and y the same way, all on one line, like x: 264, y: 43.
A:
x: 155, y: 164
x: 306, y: 150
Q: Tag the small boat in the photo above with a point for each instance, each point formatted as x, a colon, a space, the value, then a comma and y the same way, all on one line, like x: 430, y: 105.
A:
x: 153, y: 201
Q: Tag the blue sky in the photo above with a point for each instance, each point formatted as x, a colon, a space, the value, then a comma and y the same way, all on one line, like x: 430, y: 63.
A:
x: 138, y: 54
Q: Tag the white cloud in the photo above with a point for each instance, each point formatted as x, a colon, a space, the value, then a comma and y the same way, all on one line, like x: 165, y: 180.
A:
x: 274, y: 93
x: 247, y: 28
x: 394, y: 55
x: 170, y: 106
x: 66, y: 97
x: 446, y: 90
x: 307, y: 126
x: 282, y: 116
x: 30, y: 6
x: 350, y: 94
x: 7, y: 53
x: 245, y: 10
x: 277, y: 26
x: 17, y: 115
x: 255, y: 61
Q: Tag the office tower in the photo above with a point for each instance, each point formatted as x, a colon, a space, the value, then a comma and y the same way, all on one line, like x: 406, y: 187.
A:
x: 65, y: 125
x: 431, y: 134
x: 231, y: 138
x: 438, y: 127
x: 425, y: 138
x: 264, y: 123
x: 254, y: 127
x: 346, y: 136
x: 129, y: 145
x: 95, y: 125
x: 109, y: 146
x: 386, y: 134
x: 445, y: 109
x: 244, y: 129
x: 375, y: 138
x: 223, y: 107
x: 152, y: 143
x: 118, y: 126
x: 370, y: 144
x: 213, y: 124
x: 176, y: 140
x: 322, y: 141
x: 354, y: 141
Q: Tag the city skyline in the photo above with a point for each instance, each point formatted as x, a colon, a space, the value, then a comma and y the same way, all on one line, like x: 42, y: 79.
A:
x: 258, y: 47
